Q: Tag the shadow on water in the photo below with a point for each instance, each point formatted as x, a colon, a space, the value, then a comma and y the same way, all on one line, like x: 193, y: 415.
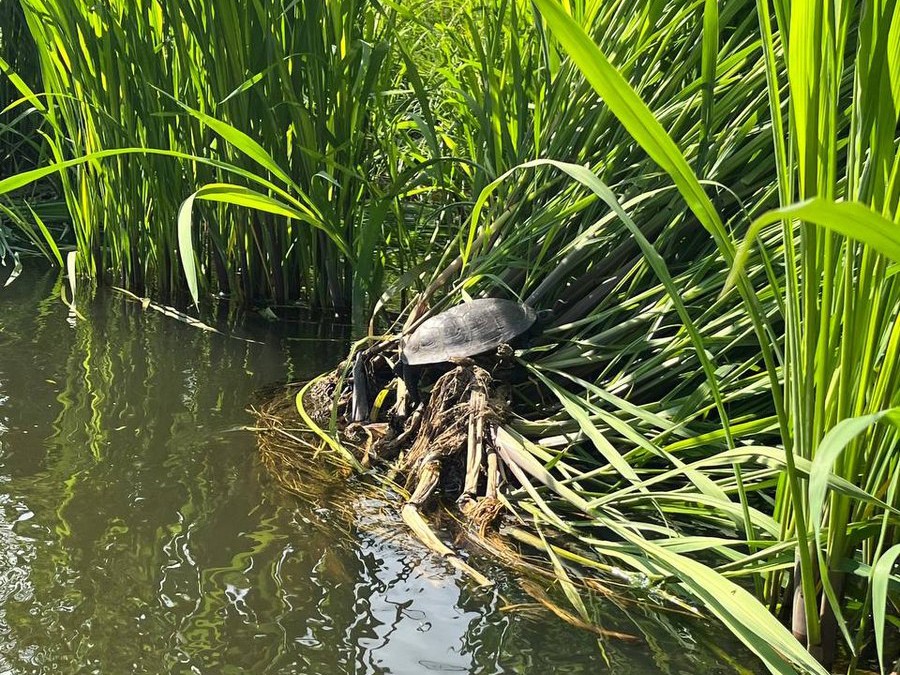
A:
x: 138, y: 532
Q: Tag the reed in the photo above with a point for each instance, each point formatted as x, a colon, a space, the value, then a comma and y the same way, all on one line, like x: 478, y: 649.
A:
x: 832, y: 380
x: 704, y: 194
x: 307, y: 83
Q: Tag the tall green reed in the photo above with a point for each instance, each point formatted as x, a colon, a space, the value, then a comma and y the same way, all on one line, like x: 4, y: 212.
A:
x: 32, y: 221
x: 839, y: 309
x: 841, y: 322
x: 19, y: 147
x: 306, y: 82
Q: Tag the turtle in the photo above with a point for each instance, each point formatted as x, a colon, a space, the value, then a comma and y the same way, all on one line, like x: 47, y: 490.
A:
x: 462, y: 331
x: 466, y: 330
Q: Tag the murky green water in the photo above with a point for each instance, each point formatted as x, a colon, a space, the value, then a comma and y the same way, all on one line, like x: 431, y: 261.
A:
x: 138, y: 533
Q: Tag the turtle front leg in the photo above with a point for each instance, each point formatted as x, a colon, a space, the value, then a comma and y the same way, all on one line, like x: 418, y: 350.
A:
x: 411, y: 376
x: 408, y: 395
x: 360, y: 403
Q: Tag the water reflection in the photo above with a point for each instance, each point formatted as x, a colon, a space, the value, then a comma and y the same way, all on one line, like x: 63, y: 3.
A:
x: 139, y: 534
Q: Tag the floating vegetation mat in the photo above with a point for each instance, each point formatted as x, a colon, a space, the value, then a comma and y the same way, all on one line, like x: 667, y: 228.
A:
x: 417, y: 459
x: 289, y: 452
x: 421, y: 468
x: 302, y: 464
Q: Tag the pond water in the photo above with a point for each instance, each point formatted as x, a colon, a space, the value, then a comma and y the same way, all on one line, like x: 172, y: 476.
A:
x: 139, y: 533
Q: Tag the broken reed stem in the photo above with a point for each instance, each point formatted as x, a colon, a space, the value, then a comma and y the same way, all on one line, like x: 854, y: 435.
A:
x: 426, y: 535
x: 475, y: 446
x: 493, y: 476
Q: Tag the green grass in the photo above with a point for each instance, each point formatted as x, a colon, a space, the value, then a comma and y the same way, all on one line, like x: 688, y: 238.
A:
x: 306, y: 84
x: 705, y: 194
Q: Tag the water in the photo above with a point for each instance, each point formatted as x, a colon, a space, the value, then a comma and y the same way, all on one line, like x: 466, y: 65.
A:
x: 139, y: 534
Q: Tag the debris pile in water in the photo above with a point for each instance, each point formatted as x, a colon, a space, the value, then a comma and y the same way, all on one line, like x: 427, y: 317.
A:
x: 444, y: 442
x: 445, y: 447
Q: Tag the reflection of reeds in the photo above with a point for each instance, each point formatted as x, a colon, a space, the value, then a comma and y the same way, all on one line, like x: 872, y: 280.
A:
x: 146, y: 500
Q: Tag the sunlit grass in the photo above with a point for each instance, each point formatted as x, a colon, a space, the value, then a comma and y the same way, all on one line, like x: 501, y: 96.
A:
x: 708, y: 406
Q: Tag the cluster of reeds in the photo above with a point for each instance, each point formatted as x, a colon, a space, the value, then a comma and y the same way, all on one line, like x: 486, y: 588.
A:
x: 20, y: 145
x: 199, y: 98
x: 704, y: 194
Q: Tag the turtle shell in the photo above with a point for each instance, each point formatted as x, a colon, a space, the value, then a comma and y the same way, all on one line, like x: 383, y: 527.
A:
x: 465, y: 330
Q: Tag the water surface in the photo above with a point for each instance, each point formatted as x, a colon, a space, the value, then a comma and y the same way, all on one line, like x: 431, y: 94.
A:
x: 139, y: 533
